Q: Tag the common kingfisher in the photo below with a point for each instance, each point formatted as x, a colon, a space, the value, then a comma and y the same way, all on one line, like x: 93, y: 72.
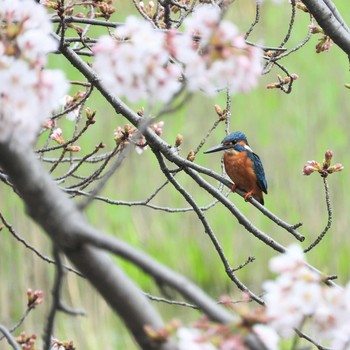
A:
x: 243, y: 166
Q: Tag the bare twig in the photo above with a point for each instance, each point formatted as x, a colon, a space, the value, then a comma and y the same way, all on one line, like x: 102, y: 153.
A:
x: 33, y: 249
x: 256, y: 20
x: 19, y: 322
x: 56, y: 292
x: 171, y: 302
x: 11, y: 340
x: 309, y: 339
x: 248, y: 261
x: 329, y: 221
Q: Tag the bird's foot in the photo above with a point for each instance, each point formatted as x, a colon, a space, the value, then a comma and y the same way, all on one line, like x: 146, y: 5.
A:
x: 234, y: 186
x: 248, y: 195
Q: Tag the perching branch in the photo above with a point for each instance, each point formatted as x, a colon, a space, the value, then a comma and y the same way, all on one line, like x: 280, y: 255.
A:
x: 157, y: 143
x: 207, y: 229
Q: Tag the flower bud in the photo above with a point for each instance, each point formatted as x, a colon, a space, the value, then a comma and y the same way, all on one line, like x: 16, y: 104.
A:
x: 336, y: 167
x: 57, y: 136
x: 272, y: 86
x: 73, y: 148
x: 327, y: 159
x: 191, y: 156
x: 178, y: 141
x: 34, y: 298
x: 218, y: 110
x: 315, y: 29
x: 302, y: 7
x: 310, y: 167
x: 308, y: 170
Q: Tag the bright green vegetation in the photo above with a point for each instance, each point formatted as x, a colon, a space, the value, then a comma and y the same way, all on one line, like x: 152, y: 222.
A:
x: 285, y: 130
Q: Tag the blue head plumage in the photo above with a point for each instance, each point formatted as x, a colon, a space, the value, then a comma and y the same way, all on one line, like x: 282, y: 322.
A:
x: 235, y: 137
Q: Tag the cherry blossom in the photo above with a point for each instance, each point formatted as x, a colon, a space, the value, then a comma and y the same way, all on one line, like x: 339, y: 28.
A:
x: 190, y: 339
x: 267, y: 335
x: 299, y: 294
x: 136, y: 63
x: 294, y: 295
x: 28, y: 93
x: 221, y: 58
x: 141, y: 62
x: 332, y: 316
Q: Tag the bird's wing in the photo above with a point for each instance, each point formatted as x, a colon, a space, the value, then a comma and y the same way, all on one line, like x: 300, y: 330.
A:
x: 260, y: 173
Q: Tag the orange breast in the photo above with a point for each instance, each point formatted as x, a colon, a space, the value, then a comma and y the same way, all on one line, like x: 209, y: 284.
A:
x: 240, y: 170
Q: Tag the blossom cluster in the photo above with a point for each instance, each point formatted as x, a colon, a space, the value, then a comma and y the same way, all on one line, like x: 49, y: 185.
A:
x: 124, y: 135
x: 35, y: 298
x: 28, y: 93
x: 142, y: 62
x: 209, y: 336
x: 298, y: 298
x: 325, y: 169
x: 215, y: 55
x: 299, y: 294
x: 136, y: 65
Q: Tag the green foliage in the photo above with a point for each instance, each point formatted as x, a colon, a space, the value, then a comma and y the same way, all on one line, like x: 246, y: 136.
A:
x: 285, y: 130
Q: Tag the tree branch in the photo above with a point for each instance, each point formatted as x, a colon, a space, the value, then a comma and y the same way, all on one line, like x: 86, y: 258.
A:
x: 156, y: 143
x: 331, y: 22
x: 11, y: 340
x: 52, y: 209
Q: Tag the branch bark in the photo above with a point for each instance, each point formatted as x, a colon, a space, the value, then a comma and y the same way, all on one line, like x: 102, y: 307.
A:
x: 329, y: 18
x: 52, y: 209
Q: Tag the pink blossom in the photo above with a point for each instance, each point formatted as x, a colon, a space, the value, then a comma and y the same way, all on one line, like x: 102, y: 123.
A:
x: 267, y: 335
x: 292, y: 259
x: 221, y: 59
x: 335, y: 167
x: 294, y: 294
x: 190, y: 339
x: 158, y: 127
x: 310, y: 167
x: 28, y: 92
x: 137, y: 68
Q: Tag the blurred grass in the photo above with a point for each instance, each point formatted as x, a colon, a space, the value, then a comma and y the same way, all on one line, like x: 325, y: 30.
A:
x: 285, y: 130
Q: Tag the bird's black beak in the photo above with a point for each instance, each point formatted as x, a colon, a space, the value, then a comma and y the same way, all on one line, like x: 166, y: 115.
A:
x: 217, y: 148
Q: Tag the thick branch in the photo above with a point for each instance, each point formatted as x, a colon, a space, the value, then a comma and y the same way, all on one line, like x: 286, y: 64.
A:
x: 52, y: 209
x: 68, y: 228
x: 331, y: 22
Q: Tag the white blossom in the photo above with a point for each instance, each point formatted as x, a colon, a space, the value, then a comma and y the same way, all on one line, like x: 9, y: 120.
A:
x: 28, y: 92
x: 190, y: 339
x: 220, y: 58
x: 267, y: 335
x: 294, y: 295
x: 292, y: 259
x: 137, y: 64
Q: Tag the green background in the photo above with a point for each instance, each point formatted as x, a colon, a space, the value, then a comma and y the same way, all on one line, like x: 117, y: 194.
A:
x: 285, y: 130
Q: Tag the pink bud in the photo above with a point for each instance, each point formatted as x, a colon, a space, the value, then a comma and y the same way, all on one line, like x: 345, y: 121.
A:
x: 308, y: 170
x: 336, y: 167
x: 327, y: 159
x: 310, y: 167
x: 315, y: 29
